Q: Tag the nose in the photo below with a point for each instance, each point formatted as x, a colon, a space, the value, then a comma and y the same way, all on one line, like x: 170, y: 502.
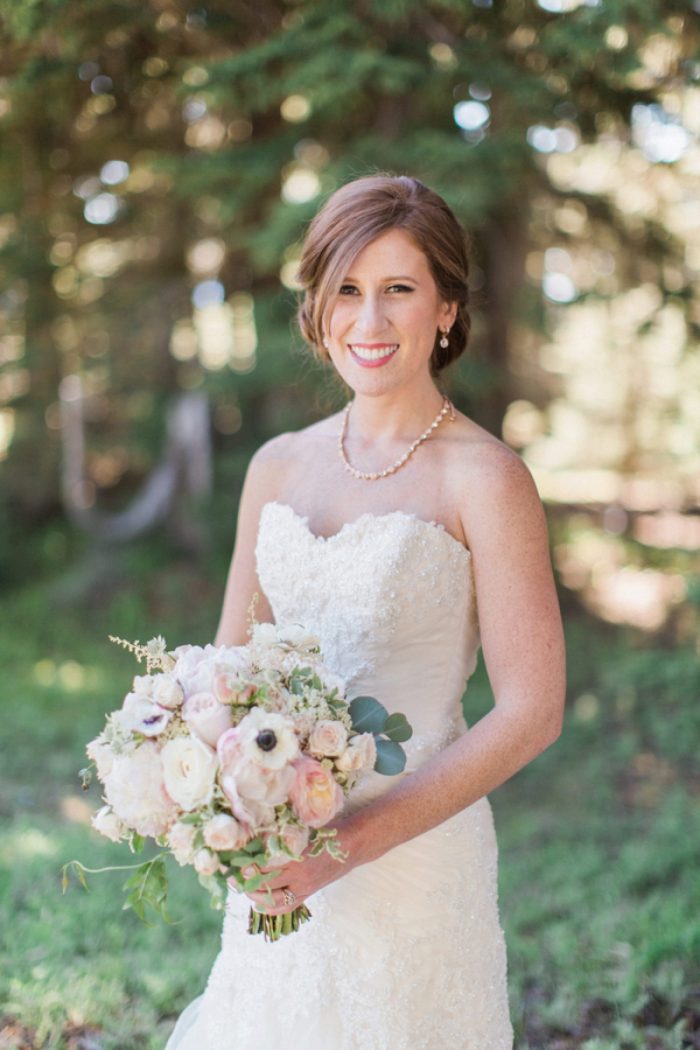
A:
x: 370, y: 319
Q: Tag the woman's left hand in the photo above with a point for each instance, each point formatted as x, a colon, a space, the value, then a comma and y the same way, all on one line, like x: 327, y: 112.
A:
x: 303, y: 877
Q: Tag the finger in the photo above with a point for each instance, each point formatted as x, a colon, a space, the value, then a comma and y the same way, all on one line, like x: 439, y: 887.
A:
x: 277, y: 883
x: 271, y: 907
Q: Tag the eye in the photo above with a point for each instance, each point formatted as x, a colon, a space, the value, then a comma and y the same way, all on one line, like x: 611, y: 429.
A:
x: 346, y: 288
x: 401, y: 287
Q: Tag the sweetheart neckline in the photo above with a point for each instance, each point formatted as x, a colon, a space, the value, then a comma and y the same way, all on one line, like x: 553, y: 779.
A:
x: 367, y: 515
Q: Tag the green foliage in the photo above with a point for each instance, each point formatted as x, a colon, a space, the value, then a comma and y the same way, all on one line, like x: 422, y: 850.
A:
x: 148, y: 888
x: 391, y: 757
x: 381, y: 81
x: 367, y: 714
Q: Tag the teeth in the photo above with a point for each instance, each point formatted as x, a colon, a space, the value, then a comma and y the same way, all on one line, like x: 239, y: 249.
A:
x: 373, y: 355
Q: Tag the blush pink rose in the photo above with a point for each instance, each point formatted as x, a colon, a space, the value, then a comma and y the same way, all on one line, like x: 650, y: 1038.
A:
x: 328, y: 737
x: 224, y: 833
x: 315, y: 794
x: 206, y: 862
x: 295, y: 838
x: 206, y: 717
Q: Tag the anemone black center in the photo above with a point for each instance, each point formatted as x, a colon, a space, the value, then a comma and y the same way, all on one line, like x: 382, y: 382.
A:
x: 266, y: 739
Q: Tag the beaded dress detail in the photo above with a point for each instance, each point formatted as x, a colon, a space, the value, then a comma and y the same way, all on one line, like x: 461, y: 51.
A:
x: 406, y: 952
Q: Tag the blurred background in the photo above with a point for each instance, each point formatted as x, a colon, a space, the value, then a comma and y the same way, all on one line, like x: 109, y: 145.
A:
x: 159, y: 163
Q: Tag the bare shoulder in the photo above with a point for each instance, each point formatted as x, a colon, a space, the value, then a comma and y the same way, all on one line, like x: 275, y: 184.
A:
x: 491, y: 484
x: 287, y: 446
x: 281, y: 458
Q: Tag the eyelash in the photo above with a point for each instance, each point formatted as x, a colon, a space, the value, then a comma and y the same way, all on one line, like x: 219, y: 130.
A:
x: 403, y: 287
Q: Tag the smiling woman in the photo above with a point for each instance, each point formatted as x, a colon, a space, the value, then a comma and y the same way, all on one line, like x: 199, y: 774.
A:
x: 364, y: 528
x: 423, y: 235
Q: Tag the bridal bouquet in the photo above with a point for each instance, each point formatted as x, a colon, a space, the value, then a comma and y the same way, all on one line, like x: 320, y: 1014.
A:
x: 233, y: 759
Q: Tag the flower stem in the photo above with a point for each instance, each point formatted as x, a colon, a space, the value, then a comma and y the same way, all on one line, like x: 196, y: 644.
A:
x: 275, y: 926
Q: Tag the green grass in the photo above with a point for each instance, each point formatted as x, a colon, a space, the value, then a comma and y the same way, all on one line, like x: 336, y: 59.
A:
x: 600, y: 891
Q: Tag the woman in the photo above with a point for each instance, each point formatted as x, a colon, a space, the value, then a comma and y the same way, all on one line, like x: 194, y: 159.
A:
x: 403, y: 535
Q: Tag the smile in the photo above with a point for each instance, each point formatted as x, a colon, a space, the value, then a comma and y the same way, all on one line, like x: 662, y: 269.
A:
x: 372, y: 357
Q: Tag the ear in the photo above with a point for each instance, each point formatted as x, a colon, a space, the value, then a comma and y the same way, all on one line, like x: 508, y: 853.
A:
x: 448, y: 315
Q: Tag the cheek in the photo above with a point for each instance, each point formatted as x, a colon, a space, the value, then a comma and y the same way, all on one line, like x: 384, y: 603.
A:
x: 341, y: 316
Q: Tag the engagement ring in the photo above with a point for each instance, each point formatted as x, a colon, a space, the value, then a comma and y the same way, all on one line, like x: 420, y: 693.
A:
x: 289, y: 895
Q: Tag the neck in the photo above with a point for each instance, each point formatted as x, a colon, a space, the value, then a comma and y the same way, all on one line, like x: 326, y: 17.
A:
x: 390, y: 417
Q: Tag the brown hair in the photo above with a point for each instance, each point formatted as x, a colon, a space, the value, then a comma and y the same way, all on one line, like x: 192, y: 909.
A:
x: 355, y: 215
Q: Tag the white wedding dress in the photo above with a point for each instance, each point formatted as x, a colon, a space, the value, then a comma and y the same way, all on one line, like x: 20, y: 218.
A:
x: 406, y: 952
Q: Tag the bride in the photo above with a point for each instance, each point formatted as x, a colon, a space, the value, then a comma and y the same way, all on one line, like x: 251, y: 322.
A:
x: 404, y: 536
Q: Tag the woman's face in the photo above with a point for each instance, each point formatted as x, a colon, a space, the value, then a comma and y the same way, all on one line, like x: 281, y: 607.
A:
x: 382, y: 325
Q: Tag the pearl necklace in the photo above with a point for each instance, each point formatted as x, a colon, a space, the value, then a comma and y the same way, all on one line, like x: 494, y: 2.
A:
x: 447, y: 406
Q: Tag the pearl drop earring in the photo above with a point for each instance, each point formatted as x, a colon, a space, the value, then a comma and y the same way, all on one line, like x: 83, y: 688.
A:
x: 444, y: 342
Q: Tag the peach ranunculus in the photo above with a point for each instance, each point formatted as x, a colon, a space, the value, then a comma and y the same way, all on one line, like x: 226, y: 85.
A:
x: 328, y: 738
x: 315, y: 794
x: 230, y: 688
x: 295, y: 838
x: 223, y: 833
x: 206, y: 717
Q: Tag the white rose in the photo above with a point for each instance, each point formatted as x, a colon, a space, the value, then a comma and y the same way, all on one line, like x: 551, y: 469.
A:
x: 140, y: 715
x: 206, y: 717
x: 108, y: 823
x: 297, y: 636
x: 102, y: 755
x: 360, y: 754
x: 181, y: 842
x: 328, y: 738
x: 206, y: 862
x: 167, y: 691
x: 189, y: 769
x: 223, y: 832
x: 136, y: 792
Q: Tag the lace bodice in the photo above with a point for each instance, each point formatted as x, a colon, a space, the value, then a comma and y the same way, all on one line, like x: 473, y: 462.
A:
x: 392, y: 599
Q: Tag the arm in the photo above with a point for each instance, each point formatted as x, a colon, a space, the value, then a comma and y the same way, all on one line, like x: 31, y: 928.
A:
x: 523, y: 644
x: 261, y: 484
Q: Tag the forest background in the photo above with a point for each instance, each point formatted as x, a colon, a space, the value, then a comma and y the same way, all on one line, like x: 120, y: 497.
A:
x: 159, y: 162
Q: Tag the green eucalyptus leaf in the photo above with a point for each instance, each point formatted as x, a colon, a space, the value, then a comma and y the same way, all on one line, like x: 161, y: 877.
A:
x: 397, y: 728
x: 391, y: 758
x: 367, y: 714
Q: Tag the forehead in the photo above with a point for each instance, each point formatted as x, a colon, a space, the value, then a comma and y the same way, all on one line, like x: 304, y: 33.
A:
x: 393, y: 252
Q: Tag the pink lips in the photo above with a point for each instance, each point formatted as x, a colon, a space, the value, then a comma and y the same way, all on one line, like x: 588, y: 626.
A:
x: 371, y: 346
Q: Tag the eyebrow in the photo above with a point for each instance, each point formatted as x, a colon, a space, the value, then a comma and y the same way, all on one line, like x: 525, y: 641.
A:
x: 396, y: 277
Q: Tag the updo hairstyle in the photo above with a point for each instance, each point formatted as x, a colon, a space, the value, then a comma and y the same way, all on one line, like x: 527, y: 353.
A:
x: 355, y: 215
